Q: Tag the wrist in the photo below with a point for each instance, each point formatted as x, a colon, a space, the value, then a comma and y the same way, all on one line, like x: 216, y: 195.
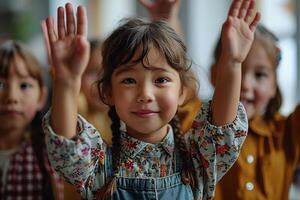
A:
x: 67, y: 85
x: 229, y: 61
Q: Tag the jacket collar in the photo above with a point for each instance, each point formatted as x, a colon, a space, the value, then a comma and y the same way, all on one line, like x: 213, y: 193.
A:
x: 261, y: 127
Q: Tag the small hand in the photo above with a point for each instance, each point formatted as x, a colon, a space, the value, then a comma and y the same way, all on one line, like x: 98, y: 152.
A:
x: 68, y: 48
x: 162, y: 9
x: 238, y: 30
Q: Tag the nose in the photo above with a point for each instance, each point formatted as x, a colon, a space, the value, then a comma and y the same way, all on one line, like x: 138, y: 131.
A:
x: 11, y: 94
x: 246, y: 83
x: 145, y: 93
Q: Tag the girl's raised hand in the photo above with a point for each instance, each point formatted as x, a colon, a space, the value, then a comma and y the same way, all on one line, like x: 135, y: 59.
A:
x: 238, y: 30
x: 68, y: 48
x: 162, y: 9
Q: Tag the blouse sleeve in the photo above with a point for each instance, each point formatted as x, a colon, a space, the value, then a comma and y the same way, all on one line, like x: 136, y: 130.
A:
x: 214, y: 149
x: 75, y: 159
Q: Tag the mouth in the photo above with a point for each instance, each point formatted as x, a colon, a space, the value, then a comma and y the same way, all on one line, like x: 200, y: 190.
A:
x: 246, y: 102
x: 145, y: 113
x: 10, y: 113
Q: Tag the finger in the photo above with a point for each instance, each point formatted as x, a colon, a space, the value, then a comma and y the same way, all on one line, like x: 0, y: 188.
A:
x: 50, y: 30
x: 81, y: 21
x: 46, y: 40
x: 61, y: 23
x: 70, y: 19
x: 146, y: 3
x: 234, y: 8
x: 176, y: 2
x: 255, y: 21
x: 250, y: 13
x: 244, y: 9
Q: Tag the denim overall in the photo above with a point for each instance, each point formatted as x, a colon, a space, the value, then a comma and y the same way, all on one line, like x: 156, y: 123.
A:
x: 161, y: 188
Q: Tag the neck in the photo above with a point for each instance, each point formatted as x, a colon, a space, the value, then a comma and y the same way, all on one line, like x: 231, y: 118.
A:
x: 153, y: 138
x: 10, y: 139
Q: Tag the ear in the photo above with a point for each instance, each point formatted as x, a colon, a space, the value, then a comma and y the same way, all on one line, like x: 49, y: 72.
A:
x: 43, y: 98
x: 182, y: 96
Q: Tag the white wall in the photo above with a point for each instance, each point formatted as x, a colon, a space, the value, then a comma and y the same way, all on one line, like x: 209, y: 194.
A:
x: 205, y: 19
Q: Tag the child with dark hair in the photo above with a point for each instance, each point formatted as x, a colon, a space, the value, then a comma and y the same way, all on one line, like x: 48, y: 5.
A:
x: 25, y: 172
x: 270, y: 154
x: 146, y: 75
x: 168, y: 11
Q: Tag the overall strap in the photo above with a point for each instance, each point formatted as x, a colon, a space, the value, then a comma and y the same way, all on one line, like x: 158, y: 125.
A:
x: 108, y: 171
x: 178, y: 161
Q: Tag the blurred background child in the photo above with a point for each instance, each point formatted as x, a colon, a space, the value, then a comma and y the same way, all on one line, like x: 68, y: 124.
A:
x: 25, y: 172
x: 270, y: 153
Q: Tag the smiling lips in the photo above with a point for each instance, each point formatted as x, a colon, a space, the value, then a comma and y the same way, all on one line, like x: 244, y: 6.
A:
x: 145, y: 113
x: 10, y: 113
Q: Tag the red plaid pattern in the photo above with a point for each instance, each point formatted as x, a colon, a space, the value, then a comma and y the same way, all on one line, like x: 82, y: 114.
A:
x: 24, y: 178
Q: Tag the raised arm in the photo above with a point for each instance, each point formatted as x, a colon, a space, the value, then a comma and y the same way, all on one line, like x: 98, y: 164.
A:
x: 167, y: 10
x: 237, y: 37
x: 68, y: 51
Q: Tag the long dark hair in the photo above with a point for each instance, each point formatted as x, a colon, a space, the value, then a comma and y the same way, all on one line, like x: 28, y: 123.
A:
x: 9, y: 50
x: 137, y: 35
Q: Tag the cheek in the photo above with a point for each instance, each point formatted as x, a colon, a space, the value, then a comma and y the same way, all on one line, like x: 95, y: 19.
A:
x: 86, y: 84
x: 30, y: 110
x: 123, y: 100
x: 169, y: 101
x: 30, y: 104
x: 263, y: 96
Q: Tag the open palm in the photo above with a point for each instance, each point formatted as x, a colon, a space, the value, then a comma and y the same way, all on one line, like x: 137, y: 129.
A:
x: 238, y: 30
x: 68, y: 48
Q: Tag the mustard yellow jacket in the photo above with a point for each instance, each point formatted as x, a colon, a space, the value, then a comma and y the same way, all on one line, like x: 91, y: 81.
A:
x: 267, y: 161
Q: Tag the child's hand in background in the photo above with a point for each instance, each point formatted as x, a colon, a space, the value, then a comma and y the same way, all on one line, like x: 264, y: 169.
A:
x: 238, y: 30
x: 162, y: 9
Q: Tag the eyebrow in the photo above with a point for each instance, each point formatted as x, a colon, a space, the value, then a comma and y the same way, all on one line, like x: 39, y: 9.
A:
x: 128, y: 68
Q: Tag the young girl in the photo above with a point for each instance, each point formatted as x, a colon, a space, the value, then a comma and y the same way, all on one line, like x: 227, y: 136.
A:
x: 168, y: 10
x: 146, y: 73
x: 96, y: 112
x: 24, y: 168
x: 271, y: 153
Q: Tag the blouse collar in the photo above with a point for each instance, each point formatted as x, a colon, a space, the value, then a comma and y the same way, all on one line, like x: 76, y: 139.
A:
x: 132, y: 146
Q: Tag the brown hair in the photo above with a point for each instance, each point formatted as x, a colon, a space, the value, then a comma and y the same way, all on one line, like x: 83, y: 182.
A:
x: 9, y: 51
x: 270, y: 43
x: 119, y: 49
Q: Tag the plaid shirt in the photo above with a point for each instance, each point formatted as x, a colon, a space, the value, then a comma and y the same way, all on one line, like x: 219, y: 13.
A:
x: 24, y: 177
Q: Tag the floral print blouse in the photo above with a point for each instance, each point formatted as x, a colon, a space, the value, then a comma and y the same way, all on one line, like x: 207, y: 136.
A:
x: 213, y: 151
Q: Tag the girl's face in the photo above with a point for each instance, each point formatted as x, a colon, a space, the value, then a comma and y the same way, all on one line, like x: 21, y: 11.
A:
x: 20, y: 98
x: 146, y: 98
x: 258, y: 81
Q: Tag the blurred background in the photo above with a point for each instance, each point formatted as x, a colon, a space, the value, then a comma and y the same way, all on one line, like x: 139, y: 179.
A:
x: 201, y: 21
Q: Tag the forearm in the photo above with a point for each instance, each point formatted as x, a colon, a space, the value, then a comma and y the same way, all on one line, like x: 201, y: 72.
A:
x: 174, y: 22
x: 227, y: 92
x: 64, y: 108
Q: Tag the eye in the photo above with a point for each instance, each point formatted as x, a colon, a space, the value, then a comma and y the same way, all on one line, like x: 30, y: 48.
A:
x: 25, y: 86
x: 261, y: 75
x: 128, y: 81
x: 162, y: 80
